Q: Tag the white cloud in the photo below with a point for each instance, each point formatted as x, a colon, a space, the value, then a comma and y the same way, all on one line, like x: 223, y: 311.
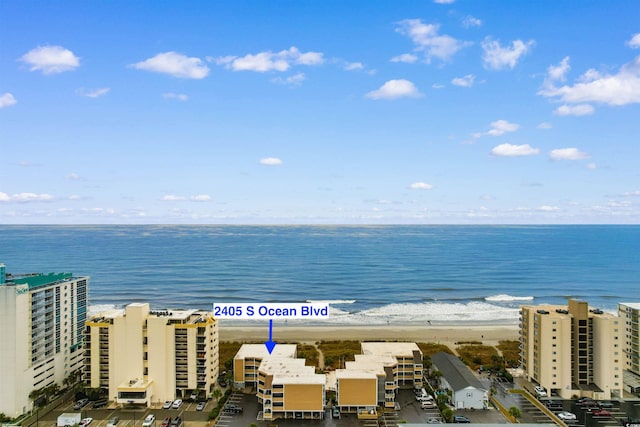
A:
x: 509, y: 150
x: 177, y: 96
x: 352, y: 66
x: 75, y: 197
x: 500, y: 127
x: 592, y: 166
x: 496, y: 57
x: 471, y: 21
x: 172, y: 198
x: 634, y: 43
x: 612, y: 89
x: 51, y: 59
x: 427, y: 39
x: 420, y: 186
x: 175, y: 64
x: 444, y: 1
x: 546, y: 208
x: 7, y: 100
x: 466, y: 81
x: 200, y: 198
x: 559, y: 72
x: 394, y: 89
x: 270, y: 161
x: 574, y: 110
x: 25, y: 197
x: 568, y: 154
x: 270, y: 61
x: 632, y: 193
x: 73, y: 176
x: 545, y: 125
x: 93, y: 93
x: 405, y: 57
x: 437, y: 86
x: 291, y: 81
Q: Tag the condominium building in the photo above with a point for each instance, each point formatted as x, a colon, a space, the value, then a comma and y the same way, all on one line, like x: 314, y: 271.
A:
x: 373, y: 378
x: 142, y: 356
x: 408, y: 355
x: 572, y: 350
x: 288, y: 389
x: 629, y: 313
x: 249, y: 357
x: 42, y: 318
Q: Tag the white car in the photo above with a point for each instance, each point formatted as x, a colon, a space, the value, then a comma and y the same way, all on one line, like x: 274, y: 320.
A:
x: 148, y: 422
x: 85, y: 422
x: 540, y: 391
x: 567, y: 416
x: 167, y: 404
x: 177, y: 404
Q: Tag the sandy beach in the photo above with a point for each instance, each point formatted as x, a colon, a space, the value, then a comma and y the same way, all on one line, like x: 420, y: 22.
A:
x: 444, y: 334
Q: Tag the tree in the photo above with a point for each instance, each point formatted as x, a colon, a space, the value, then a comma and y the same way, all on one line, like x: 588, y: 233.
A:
x: 217, y: 393
x: 515, y: 412
x: 447, y: 414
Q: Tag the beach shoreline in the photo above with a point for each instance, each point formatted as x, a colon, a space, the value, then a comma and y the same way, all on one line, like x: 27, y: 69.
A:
x: 488, y: 334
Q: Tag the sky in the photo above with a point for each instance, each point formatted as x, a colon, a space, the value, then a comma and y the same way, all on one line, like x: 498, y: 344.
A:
x: 319, y: 112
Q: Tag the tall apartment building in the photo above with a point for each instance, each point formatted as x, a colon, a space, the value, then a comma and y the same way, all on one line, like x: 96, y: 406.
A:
x: 142, y: 356
x: 572, y: 350
x: 41, y: 322
x: 629, y: 313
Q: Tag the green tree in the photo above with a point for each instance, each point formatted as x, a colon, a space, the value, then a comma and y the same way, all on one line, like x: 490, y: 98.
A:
x: 217, y: 393
x: 447, y: 414
x: 515, y: 412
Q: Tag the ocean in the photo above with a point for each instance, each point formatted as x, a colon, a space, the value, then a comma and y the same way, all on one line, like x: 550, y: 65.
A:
x: 372, y: 275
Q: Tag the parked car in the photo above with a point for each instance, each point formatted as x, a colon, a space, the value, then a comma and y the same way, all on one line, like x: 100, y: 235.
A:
x: 553, y: 404
x: 85, y: 422
x: 100, y: 403
x: 167, y: 404
x: 80, y: 403
x: 176, y: 404
x: 149, y: 420
x: 233, y: 408
x: 605, y: 403
x: 335, y: 412
x: 461, y: 419
x: 113, y: 422
x: 434, y: 421
x: 166, y: 422
x: 200, y: 406
x: 540, y: 391
x: 601, y: 413
x: 566, y: 416
x: 194, y: 395
x: 176, y: 422
x: 427, y: 404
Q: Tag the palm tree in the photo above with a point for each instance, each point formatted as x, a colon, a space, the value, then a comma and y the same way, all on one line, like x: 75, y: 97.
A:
x: 515, y: 412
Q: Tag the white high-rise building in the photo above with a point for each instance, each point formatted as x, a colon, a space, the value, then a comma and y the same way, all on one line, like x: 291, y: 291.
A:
x: 143, y: 356
x: 629, y: 313
x: 41, y: 329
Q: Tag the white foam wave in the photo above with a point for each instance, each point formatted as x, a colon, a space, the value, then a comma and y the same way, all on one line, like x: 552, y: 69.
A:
x: 428, y: 312
x: 331, y: 301
x: 99, y: 308
x: 507, y: 298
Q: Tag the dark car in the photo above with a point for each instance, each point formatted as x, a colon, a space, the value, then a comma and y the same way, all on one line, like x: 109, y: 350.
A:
x: 101, y: 403
x: 81, y: 403
x: 233, y: 408
x: 461, y: 419
x: 176, y: 422
x: 166, y: 422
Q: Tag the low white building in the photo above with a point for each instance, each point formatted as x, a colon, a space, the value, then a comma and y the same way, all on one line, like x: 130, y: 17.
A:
x: 468, y: 391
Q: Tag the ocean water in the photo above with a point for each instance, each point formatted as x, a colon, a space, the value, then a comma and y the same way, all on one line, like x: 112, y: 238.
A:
x: 371, y: 274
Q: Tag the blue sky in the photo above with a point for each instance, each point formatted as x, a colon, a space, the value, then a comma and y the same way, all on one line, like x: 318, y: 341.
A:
x: 264, y: 112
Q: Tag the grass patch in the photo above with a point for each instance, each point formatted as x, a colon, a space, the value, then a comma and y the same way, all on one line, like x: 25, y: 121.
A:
x: 510, y: 351
x: 226, y: 351
x: 310, y: 353
x: 430, y: 348
x: 474, y: 355
x: 337, y: 352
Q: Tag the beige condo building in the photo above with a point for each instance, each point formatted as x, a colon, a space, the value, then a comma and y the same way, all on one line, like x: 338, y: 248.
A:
x: 629, y: 313
x: 41, y: 323
x: 142, y: 356
x: 572, y: 350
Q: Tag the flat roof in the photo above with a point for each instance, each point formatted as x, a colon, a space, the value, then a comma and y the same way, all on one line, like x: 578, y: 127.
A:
x: 403, y: 349
x: 290, y: 371
x: 260, y: 351
x: 349, y: 373
x: 633, y: 305
x: 378, y: 359
x: 555, y: 310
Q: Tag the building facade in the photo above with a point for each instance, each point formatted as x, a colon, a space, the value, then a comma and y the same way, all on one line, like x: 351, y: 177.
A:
x: 572, y: 350
x: 141, y: 356
x: 41, y: 322
x: 629, y: 313
x: 467, y: 390
x: 247, y: 361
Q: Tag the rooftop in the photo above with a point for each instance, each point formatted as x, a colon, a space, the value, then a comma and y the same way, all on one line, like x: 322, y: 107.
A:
x: 259, y: 351
x: 286, y: 370
x: 633, y: 305
x: 402, y: 349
